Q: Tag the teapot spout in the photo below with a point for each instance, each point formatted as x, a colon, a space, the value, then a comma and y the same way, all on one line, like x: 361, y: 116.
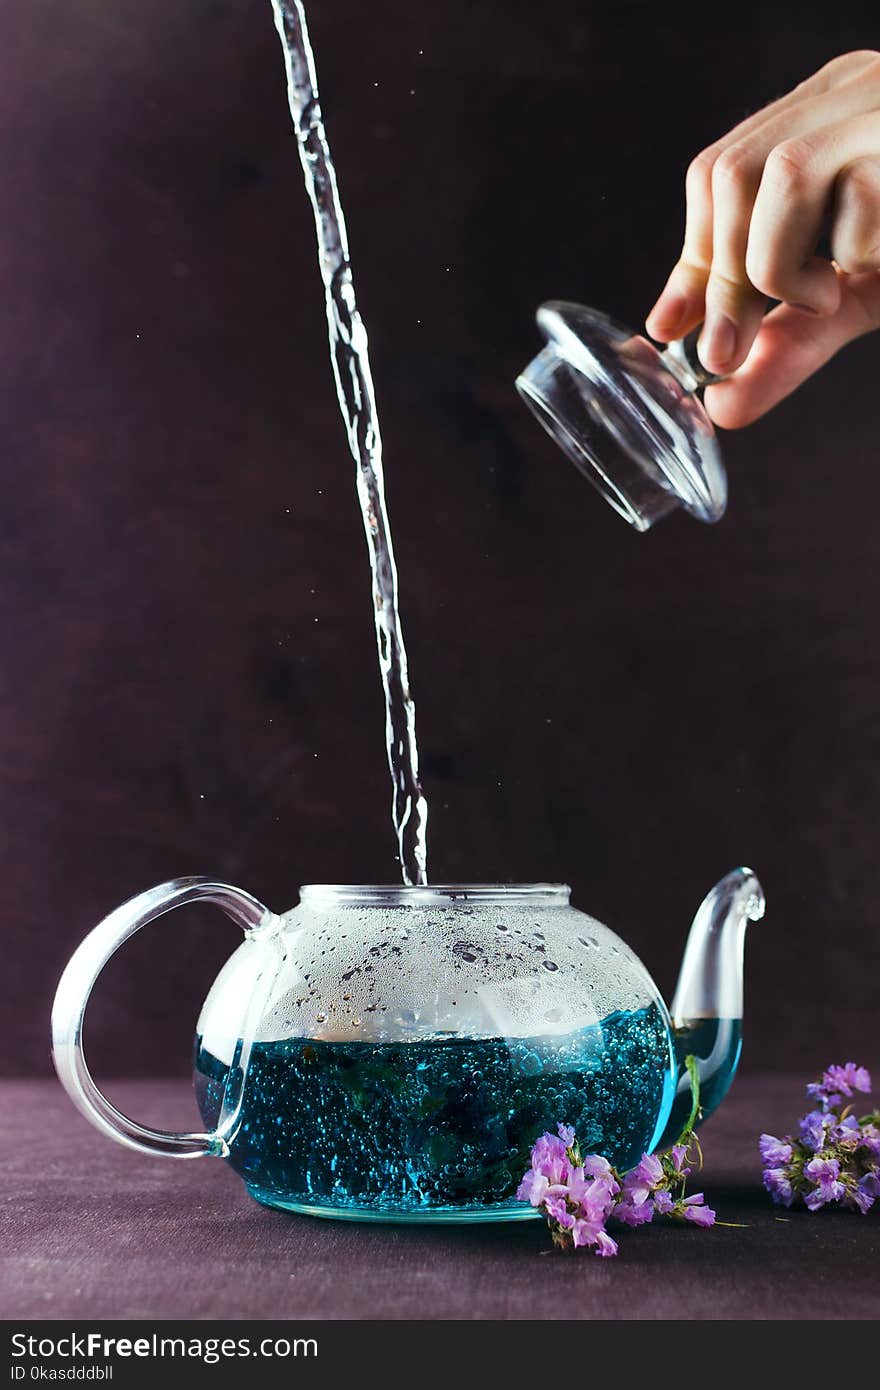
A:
x: 710, y: 982
x: 708, y: 1002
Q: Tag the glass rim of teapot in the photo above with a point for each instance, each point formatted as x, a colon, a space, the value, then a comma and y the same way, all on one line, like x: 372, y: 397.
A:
x: 432, y: 894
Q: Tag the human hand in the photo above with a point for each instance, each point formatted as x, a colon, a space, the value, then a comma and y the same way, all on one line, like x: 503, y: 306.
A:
x: 757, y: 202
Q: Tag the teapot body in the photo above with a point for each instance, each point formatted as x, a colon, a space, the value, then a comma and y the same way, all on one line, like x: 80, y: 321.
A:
x: 393, y: 1053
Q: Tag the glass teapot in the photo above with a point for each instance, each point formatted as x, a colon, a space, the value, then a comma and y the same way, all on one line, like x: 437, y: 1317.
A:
x: 392, y: 1053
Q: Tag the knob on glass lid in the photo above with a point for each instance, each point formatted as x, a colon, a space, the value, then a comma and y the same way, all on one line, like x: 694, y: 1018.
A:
x: 627, y: 415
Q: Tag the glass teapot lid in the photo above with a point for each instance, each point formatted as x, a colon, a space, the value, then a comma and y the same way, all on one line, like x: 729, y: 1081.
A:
x: 627, y: 415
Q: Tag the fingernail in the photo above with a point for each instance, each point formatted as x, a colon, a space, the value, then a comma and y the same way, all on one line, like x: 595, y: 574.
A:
x: 668, y: 310
x: 717, y: 343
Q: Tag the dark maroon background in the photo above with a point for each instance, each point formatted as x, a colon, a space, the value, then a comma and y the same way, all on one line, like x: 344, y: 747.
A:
x: 189, y: 680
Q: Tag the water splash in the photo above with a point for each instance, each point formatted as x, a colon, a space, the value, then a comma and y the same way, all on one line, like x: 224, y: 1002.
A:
x: 354, y: 388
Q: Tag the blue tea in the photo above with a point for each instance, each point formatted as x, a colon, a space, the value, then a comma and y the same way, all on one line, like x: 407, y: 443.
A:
x: 396, y: 1129
x: 716, y: 1043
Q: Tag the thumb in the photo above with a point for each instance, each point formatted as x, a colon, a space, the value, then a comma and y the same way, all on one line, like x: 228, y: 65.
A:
x: 791, y: 345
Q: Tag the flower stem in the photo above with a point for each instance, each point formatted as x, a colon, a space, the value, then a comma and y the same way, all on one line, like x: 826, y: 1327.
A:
x: 692, y: 1068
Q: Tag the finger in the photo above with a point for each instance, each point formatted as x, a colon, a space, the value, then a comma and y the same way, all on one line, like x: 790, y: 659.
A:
x: 734, y: 308
x: 681, y: 304
x: 855, y: 227
x: 796, y: 188
x: 838, y: 70
x: 789, y: 348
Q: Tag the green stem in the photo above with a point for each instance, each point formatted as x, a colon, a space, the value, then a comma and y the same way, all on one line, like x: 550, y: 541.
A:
x: 692, y: 1068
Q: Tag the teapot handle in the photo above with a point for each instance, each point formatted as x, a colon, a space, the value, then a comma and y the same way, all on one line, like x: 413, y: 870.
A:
x: 75, y: 986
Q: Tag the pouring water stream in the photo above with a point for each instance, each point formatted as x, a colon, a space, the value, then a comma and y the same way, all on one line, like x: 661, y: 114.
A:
x: 354, y: 387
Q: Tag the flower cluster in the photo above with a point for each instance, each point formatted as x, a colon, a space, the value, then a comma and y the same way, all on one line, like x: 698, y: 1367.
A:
x: 579, y: 1195
x: 836, y: 1158
x: 656, y: 1187
x: 576, y: 1194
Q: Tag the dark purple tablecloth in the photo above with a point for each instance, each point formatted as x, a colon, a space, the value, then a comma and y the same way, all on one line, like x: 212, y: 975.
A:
x: 90, y: 1230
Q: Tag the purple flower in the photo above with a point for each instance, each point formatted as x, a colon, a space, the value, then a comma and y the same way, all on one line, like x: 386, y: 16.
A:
x: 828, y: 1100
x: 825, y: 1173
x: 822, y: 1170
x: 605, y: 1246
x: 774, y: 1152
x: 814, y: 1199
x: 847, y: 1079
x: 642, y: 1180
x: 549, y: 1172
x: 576, y: 1200
x: 578, y: 1197
x: 679, y: 1154
x: 533, y: 1188
x: 591, y: 1186
x: 635, y: 1213
x: 870, y: 1139
x: 598, y: 1167
x: 814, y: 1128
x: 837, y: 1157
x: 558, y: 1209
x: 649, y: 1170
x: 839, y: 1082
x: 586, y: 1232
x: 583, y: 1232
x: 778, y: 1184
x: 597, y: 1200
x: 848, y: 1133
x: 694, y: 1209
x: 578, y: 1187
x: 549, y: 1157
x: 866, y: 1192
